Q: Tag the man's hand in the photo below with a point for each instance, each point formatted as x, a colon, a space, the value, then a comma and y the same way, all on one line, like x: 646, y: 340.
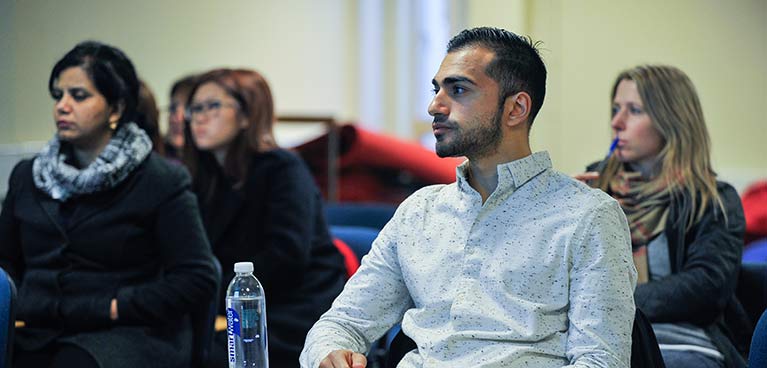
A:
x: 344, y: 359
x: 113, y: 310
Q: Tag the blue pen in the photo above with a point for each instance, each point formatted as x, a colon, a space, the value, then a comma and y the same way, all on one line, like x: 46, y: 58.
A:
x: 603, y: 164
x: 612, y: 147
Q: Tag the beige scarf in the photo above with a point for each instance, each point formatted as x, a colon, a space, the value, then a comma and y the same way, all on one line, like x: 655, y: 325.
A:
x: 646, y: 205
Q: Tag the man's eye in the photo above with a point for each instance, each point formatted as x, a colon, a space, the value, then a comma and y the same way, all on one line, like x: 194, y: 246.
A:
x: 457, y: 90
x: 435, y: 90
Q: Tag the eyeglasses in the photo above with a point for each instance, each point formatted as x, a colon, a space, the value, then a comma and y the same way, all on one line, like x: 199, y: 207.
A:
x: 209, y: 108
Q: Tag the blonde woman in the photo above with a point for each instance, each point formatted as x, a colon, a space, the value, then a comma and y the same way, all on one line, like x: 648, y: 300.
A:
x: 686, y: 227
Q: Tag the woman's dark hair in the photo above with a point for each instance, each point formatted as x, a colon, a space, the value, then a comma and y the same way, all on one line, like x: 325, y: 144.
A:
x: 148, y: 116
x: 111, y: 72
x: 184, y: 84
x: 254, y: 98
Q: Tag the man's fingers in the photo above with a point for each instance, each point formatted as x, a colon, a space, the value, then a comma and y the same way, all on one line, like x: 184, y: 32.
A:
x: 344, y: 359
x: 359, y: 361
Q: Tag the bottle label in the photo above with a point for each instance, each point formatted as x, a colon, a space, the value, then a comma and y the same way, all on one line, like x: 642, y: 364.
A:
x: 232, y: 328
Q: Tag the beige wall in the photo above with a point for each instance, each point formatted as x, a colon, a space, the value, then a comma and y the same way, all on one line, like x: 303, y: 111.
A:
x: 721, y: 45
x: 299, y: 46
x: 308, y: 50
x: 7, y: 69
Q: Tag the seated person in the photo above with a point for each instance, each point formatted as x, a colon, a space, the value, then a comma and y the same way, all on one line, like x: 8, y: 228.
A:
x: 260, y: 204
x: 686, y: 227
x: 513, y: 265
x: 102, y: 236
x: 174, y: 138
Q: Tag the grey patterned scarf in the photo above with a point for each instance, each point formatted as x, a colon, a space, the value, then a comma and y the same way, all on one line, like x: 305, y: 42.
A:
x: 125, y: 151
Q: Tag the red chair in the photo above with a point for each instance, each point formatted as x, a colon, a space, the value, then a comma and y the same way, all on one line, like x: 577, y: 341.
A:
x: 350, y: 259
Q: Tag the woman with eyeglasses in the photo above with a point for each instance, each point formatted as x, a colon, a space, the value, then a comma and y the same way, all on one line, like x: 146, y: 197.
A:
x: 102, y: 236
x: 686, y: 227
x: 260, y: 204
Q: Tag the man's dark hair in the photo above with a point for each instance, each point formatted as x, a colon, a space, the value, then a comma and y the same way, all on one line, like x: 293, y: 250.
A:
x: 516, y: 67
x: 110, y: 71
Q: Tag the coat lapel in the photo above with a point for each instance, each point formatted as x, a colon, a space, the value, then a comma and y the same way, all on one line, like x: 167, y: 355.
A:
x: 51, y: 208
x: 222, y: 212
x: 87, y: 209
x: 93, y: 204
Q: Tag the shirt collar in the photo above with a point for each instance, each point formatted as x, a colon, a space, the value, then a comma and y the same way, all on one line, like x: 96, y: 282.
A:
x: 512, y: 174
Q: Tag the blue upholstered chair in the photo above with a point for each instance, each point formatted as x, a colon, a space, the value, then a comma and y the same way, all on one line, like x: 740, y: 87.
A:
x: 358, y: 238
x: 756, y: 251
x: 758, y: 354
x: 752, y: 289
x: 374, y: 215
x: 7, y: 318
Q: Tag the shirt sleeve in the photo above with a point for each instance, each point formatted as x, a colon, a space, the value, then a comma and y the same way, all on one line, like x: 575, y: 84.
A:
x: 602, y: 281
x: 372, y: 301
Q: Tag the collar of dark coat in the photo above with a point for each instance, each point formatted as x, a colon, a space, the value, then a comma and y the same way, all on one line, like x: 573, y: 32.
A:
x: 50, y: 207
x: 86, y: 206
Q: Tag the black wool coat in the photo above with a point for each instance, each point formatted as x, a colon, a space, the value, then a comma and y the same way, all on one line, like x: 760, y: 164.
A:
x: 705, y: 262
x: 141, y: 242
x: 276, y: 221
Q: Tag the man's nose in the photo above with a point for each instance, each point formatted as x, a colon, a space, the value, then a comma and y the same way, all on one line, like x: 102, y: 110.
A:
x: 438, y: 105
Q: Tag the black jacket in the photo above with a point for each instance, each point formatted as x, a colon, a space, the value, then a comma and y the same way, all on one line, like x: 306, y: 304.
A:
x: 141, y: 242
x: 705, y: 262
x: 276, y: 221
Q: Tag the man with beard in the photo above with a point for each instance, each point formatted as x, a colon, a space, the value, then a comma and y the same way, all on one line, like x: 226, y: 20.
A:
x: 512, y: 265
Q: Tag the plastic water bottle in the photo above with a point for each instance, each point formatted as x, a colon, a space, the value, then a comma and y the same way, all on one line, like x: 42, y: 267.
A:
x: 246, y: 319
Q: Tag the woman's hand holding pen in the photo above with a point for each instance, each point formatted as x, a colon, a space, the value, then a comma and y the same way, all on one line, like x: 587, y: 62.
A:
x: 590, y: 176
x: 587, y: 177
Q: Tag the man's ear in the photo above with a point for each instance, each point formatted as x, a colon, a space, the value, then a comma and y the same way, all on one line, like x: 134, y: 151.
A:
x: 517, y: 109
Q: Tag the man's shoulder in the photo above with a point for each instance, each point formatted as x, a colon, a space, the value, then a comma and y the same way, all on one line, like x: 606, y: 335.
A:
x: 578, y: 195
x: 425, y: 197
x: 430, y: 192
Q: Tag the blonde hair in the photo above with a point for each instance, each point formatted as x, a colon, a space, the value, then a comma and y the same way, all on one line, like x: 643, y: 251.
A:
x: 684, y: 163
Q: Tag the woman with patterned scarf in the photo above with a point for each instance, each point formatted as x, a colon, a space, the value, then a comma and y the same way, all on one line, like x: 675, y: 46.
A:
x: 686, y: 227
x: 90, y: 231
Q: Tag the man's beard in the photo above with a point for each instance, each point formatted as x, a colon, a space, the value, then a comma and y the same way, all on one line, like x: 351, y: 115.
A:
x: 476, y: 140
